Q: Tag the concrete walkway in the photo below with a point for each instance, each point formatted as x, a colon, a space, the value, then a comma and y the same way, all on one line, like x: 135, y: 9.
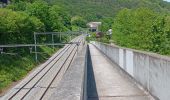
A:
x: 106, y: 82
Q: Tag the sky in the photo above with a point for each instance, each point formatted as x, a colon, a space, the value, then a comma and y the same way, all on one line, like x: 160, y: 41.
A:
x: 167, y: 0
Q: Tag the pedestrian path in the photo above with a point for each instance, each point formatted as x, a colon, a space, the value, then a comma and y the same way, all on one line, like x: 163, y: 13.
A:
x: 106, y: 82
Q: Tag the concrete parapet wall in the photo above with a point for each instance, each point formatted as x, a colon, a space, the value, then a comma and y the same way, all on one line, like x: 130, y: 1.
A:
x: 150, y: 70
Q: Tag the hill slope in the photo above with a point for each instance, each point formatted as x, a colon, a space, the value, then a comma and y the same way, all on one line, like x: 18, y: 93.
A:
x: 97, y: 9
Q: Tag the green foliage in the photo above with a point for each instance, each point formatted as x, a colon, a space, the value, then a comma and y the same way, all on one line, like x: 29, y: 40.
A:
x: 18, y: 22
x: 92, y: 37
x: 106, y: 24
x: 54, y: 17
x: 59, y: 19
x: 93, y: 10
x: 78, y: 21
x: 142, y: 29
x: 13, y: 68
x: 40, y: 10
x: 16, y: 1
x: 17, y: 27
x: 18, y: 6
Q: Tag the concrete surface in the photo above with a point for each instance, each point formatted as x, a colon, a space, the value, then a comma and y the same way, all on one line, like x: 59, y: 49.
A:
x: 150, y: 70
x: 106, y: 82
x: 46, y: 75
x: 71, y: 86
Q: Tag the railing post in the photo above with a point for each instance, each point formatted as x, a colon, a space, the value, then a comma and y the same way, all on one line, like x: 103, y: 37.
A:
x: 60, y: 36
x: 35, y: 42
x: 77, y: 44
x: 1, y: 50
x: 70, y: 36
x: 53, y: 40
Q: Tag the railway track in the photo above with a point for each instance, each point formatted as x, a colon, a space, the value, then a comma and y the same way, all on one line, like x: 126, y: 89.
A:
x: 43, y: 81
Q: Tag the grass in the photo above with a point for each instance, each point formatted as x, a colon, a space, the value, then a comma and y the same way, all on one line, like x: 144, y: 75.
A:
x: 15, y: 67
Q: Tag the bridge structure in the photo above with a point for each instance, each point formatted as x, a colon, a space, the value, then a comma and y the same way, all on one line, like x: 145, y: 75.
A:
x: 96, y: 71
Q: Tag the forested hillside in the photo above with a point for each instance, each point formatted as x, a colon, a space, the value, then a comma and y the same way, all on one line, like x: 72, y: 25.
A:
x: 97, y: 9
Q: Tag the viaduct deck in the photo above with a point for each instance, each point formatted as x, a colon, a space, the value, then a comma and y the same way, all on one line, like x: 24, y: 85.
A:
x: 60, y: 79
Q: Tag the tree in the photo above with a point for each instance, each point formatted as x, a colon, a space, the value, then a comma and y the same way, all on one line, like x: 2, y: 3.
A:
x: 59, y: 19
x: 40, y: 9
x: 143, y: 29
x: 17, y: 27
x: 106, y: 24
x: 78, y: 21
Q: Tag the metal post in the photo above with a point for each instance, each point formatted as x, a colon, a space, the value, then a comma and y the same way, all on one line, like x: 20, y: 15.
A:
x: 77, y: 44
x: 97, y: 30
x: 60, y: 36
x: 70, y: 36
x: 30, y: 49
x: 35, y: 42
x: 53, y: 40
x: 1, y: 50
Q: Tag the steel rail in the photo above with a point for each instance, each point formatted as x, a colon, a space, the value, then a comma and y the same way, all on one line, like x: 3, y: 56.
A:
x: 42, y: 77
x: 40, y: 71
x: 60, y: 70
x: 33, y: 77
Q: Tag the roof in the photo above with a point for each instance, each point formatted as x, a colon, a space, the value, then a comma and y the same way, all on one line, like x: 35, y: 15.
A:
x: 94, y: 24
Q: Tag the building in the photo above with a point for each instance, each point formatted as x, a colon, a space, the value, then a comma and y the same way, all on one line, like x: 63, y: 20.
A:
x: 94, y: 26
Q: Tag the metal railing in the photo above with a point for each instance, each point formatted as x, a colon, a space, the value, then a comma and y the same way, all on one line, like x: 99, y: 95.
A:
x: 36, y: 44
x: 32, y: 45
